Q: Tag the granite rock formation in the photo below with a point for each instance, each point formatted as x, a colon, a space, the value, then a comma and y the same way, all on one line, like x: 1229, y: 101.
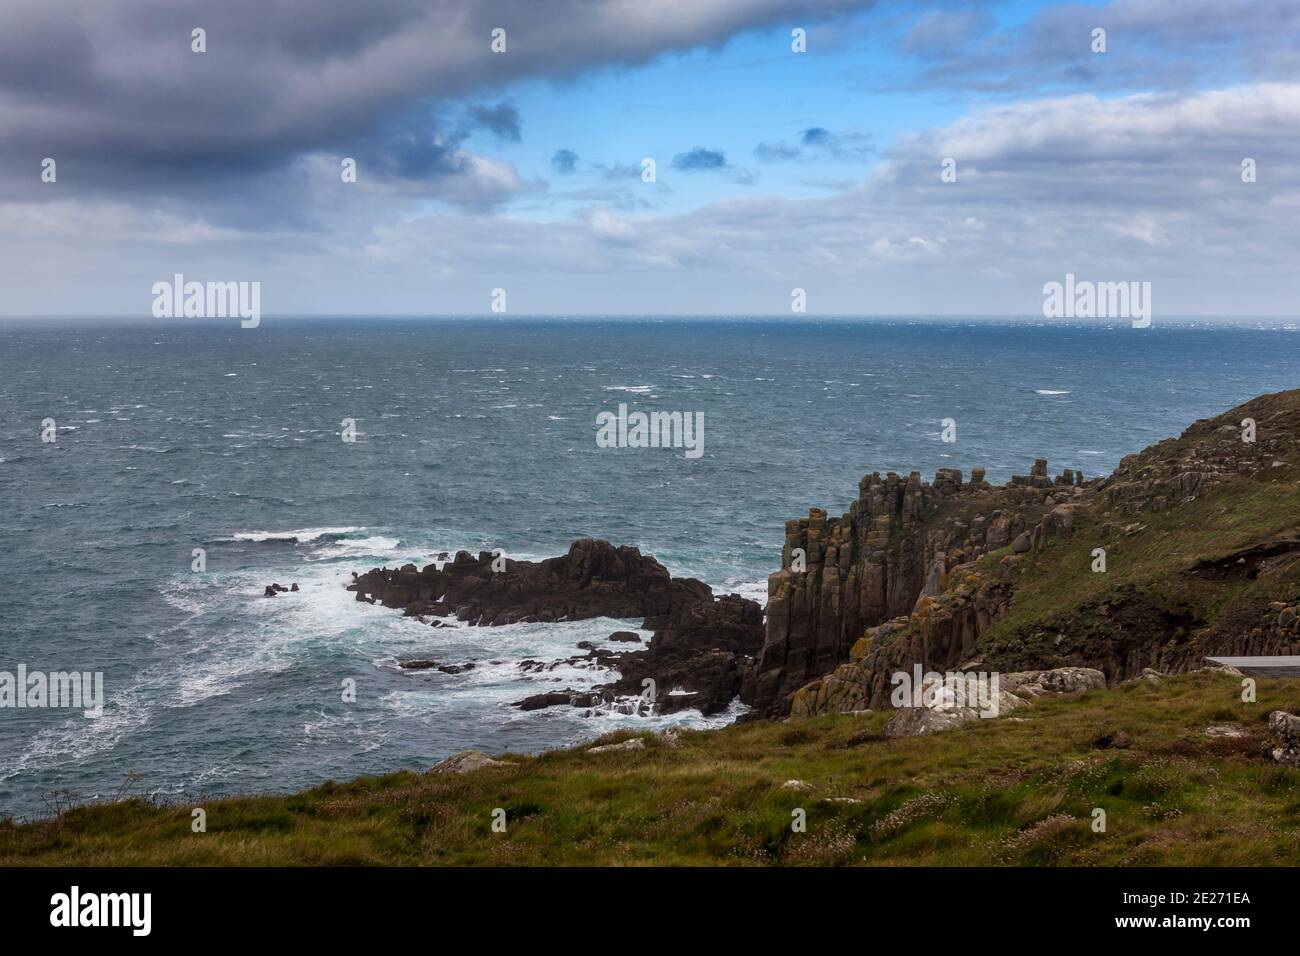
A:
x: 697, y: 656
x: 1286, y: 731
x: 902, y: 542
x: 949, y: 710
x: 594, y: 579
x: 930, y: 574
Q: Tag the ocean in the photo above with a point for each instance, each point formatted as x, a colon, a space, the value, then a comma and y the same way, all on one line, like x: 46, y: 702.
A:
x: 471, y: 434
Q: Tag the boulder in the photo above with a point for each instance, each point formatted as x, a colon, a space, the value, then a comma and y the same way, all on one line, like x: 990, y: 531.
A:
x: 464, y: 762
x: 1286, y: 731
x: 636, y: 743
x: 946, y: 714
x: 1060, y: 680
x: 1149, y: 675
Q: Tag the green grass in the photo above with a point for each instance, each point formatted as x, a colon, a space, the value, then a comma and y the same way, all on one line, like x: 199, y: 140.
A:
x: 1005, y: 791
x: 1145, y: 582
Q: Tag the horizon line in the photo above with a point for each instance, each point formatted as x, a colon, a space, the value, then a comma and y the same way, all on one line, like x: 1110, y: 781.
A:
x: 739, y: 316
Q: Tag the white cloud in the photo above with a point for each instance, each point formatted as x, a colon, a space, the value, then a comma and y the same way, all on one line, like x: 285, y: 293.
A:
x: 605, y: 225
x: 1135, y: 188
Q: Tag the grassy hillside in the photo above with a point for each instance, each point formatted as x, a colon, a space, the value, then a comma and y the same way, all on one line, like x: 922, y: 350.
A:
x: 1155, y: 605
x: 1016, y: 790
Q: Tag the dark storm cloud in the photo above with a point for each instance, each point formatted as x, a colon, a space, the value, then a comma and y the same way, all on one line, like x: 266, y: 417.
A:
x: 115, y: 89
x: 502, y: 120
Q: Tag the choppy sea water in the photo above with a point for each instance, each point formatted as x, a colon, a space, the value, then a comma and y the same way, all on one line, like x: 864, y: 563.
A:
x: 477, y: 435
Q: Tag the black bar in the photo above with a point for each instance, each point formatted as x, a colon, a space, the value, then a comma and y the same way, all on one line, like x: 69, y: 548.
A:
x: 606, y: 907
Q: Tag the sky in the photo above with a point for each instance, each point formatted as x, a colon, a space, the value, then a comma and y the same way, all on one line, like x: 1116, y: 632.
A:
x: 775, y: 168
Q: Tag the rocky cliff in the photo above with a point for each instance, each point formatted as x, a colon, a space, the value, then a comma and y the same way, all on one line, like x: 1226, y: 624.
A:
x: 1190, y: 548
x: 901, y: 541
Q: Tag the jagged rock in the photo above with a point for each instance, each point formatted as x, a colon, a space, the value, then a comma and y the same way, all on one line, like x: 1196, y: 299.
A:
x: 700, y: 645
x: 948, y: 710
x: 465, y: 761
x: 594, y: 579
x: 1149, y: 675
x: 1058, y: 680
x: 946, y: 715
x: 563, y: 698
x: 922, y: 721
x: 941, y: 632
x: 934, y: 578
x: 1286, y: 728
x: 1062, y: 518
x: 902, y: 543
x: 702, y: 649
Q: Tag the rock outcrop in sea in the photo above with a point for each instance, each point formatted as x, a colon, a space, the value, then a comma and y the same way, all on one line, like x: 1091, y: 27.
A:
x: 696, y: 657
